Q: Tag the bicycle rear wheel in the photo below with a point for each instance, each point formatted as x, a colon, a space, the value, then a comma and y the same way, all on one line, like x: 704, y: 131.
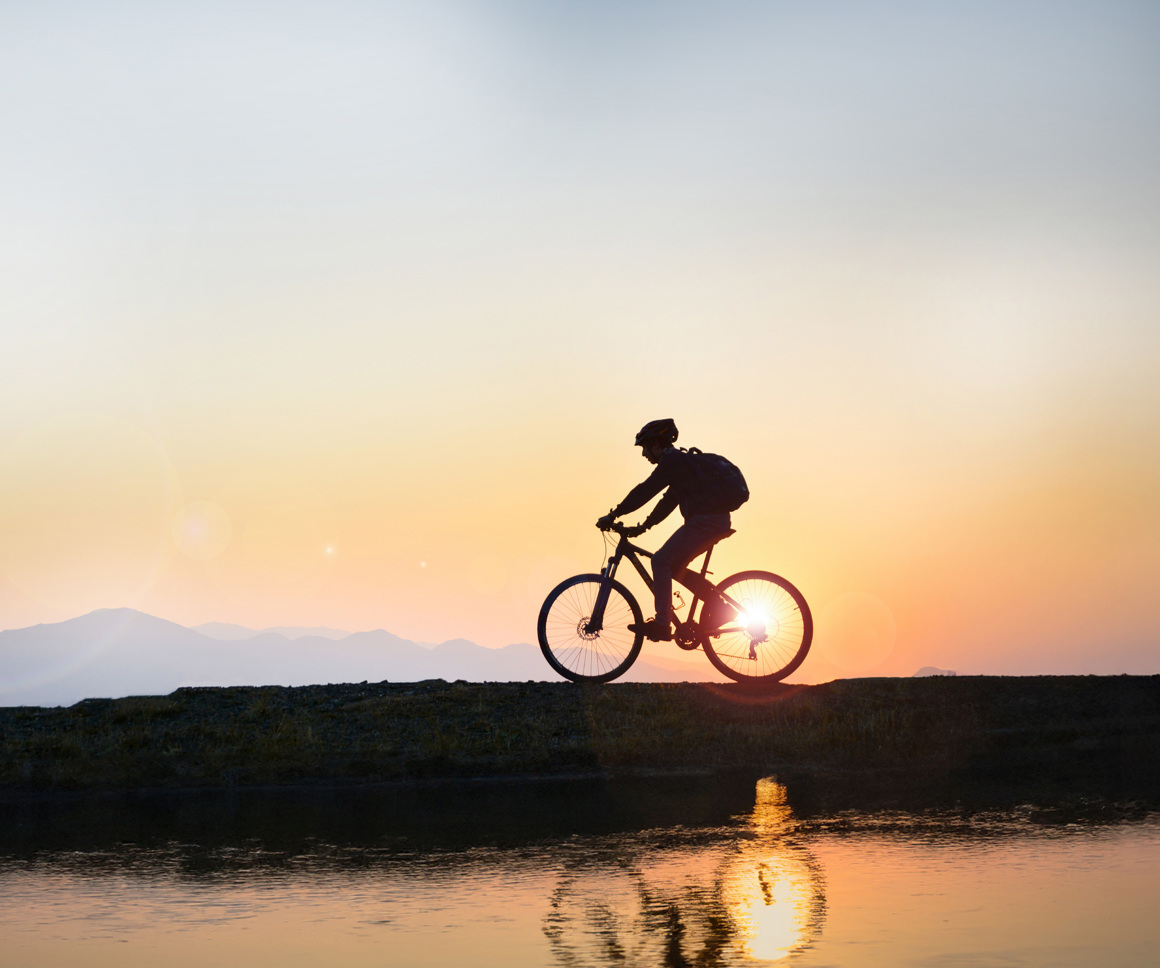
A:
x: 578, y: 653
x: 769, y: 639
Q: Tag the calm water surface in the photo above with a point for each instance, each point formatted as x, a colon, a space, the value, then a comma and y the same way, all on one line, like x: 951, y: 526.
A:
x: 759, y: 887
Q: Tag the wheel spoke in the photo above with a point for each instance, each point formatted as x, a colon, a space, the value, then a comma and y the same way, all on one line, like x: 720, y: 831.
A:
x: 580, y: 654
x: 771, y: 636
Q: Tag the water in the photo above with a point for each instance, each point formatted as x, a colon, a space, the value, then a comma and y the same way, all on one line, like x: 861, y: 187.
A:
x: 621, y: 875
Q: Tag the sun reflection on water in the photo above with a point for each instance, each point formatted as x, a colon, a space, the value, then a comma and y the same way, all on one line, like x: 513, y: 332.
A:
x: 749, y: 899
x: 772, y: 889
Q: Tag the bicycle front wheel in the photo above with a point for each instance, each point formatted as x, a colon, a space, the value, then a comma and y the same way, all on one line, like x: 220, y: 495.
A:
x: 769, y: 639
x: 572, y: 647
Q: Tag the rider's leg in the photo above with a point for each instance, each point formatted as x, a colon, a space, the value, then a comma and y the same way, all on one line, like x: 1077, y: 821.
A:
x: 692, y: 538
x: 701, y: 587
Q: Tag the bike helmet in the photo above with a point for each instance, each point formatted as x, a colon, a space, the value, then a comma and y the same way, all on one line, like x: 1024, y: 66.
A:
x: 665, y: 430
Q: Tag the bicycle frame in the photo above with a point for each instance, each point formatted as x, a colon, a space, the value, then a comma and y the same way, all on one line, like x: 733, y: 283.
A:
x: 626, y: 549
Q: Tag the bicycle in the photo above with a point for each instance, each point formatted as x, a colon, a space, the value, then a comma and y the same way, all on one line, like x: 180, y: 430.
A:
x: 757, y: 627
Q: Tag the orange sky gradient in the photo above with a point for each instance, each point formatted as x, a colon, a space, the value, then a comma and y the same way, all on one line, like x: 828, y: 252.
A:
x: 348, y: 317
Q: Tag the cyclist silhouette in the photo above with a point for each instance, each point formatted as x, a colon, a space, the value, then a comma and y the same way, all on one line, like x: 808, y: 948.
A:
x: 705, y: 522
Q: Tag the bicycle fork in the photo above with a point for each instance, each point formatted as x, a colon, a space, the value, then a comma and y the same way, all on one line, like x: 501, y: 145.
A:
x: 595, y: 624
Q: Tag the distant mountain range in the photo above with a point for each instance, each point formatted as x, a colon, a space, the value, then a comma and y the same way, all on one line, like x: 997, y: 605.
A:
x: 235, y: 633
x: 122, y: 652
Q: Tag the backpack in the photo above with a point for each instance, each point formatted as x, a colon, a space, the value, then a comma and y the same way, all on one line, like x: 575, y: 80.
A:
x: 720, y: 484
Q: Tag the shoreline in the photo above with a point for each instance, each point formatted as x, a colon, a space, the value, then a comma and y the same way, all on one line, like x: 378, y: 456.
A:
x: 1079, y: 732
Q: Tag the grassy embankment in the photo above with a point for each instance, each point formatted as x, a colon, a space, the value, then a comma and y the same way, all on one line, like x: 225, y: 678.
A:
x: 1061, y: 728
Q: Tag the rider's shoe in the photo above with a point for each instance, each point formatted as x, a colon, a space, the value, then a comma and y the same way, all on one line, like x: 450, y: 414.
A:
x: 655, y: 630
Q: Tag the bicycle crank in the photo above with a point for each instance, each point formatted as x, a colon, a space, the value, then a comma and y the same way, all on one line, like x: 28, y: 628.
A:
x: 686, y: 636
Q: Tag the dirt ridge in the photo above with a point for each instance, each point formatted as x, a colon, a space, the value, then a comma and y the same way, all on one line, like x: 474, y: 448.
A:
x: 1062, y: 728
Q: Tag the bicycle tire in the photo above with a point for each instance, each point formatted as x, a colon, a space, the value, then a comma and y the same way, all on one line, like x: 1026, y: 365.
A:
x: 741, y: 652
x: 582, y: 656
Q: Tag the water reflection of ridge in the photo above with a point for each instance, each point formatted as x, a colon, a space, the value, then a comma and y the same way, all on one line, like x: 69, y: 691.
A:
x: 362, y: 823
x: 757, y: 897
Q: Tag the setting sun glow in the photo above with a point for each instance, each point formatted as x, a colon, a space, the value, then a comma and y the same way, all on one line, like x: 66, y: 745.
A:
x: 348, y: 317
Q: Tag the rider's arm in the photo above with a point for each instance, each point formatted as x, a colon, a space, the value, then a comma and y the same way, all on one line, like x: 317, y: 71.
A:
x: 663, y: 509
x: 644, y: 492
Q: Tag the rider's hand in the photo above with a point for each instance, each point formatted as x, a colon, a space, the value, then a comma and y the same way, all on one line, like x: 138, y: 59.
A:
x: 635, y: 531
x: 605, y: 523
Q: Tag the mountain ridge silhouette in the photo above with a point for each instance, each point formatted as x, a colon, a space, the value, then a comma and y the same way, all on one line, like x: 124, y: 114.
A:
x: 110, y: 653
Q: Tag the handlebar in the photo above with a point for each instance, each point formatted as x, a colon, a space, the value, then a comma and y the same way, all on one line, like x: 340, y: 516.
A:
x: 627, y: 531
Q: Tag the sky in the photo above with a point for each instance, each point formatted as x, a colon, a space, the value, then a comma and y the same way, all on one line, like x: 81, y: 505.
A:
x: 346, y: 314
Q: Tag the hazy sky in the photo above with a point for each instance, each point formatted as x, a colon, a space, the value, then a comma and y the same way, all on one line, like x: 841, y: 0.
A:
x: 346, y: 313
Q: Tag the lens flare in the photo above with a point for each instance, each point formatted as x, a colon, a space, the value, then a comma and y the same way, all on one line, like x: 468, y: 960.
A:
x: 202, y: 530
x: 755, y: 621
